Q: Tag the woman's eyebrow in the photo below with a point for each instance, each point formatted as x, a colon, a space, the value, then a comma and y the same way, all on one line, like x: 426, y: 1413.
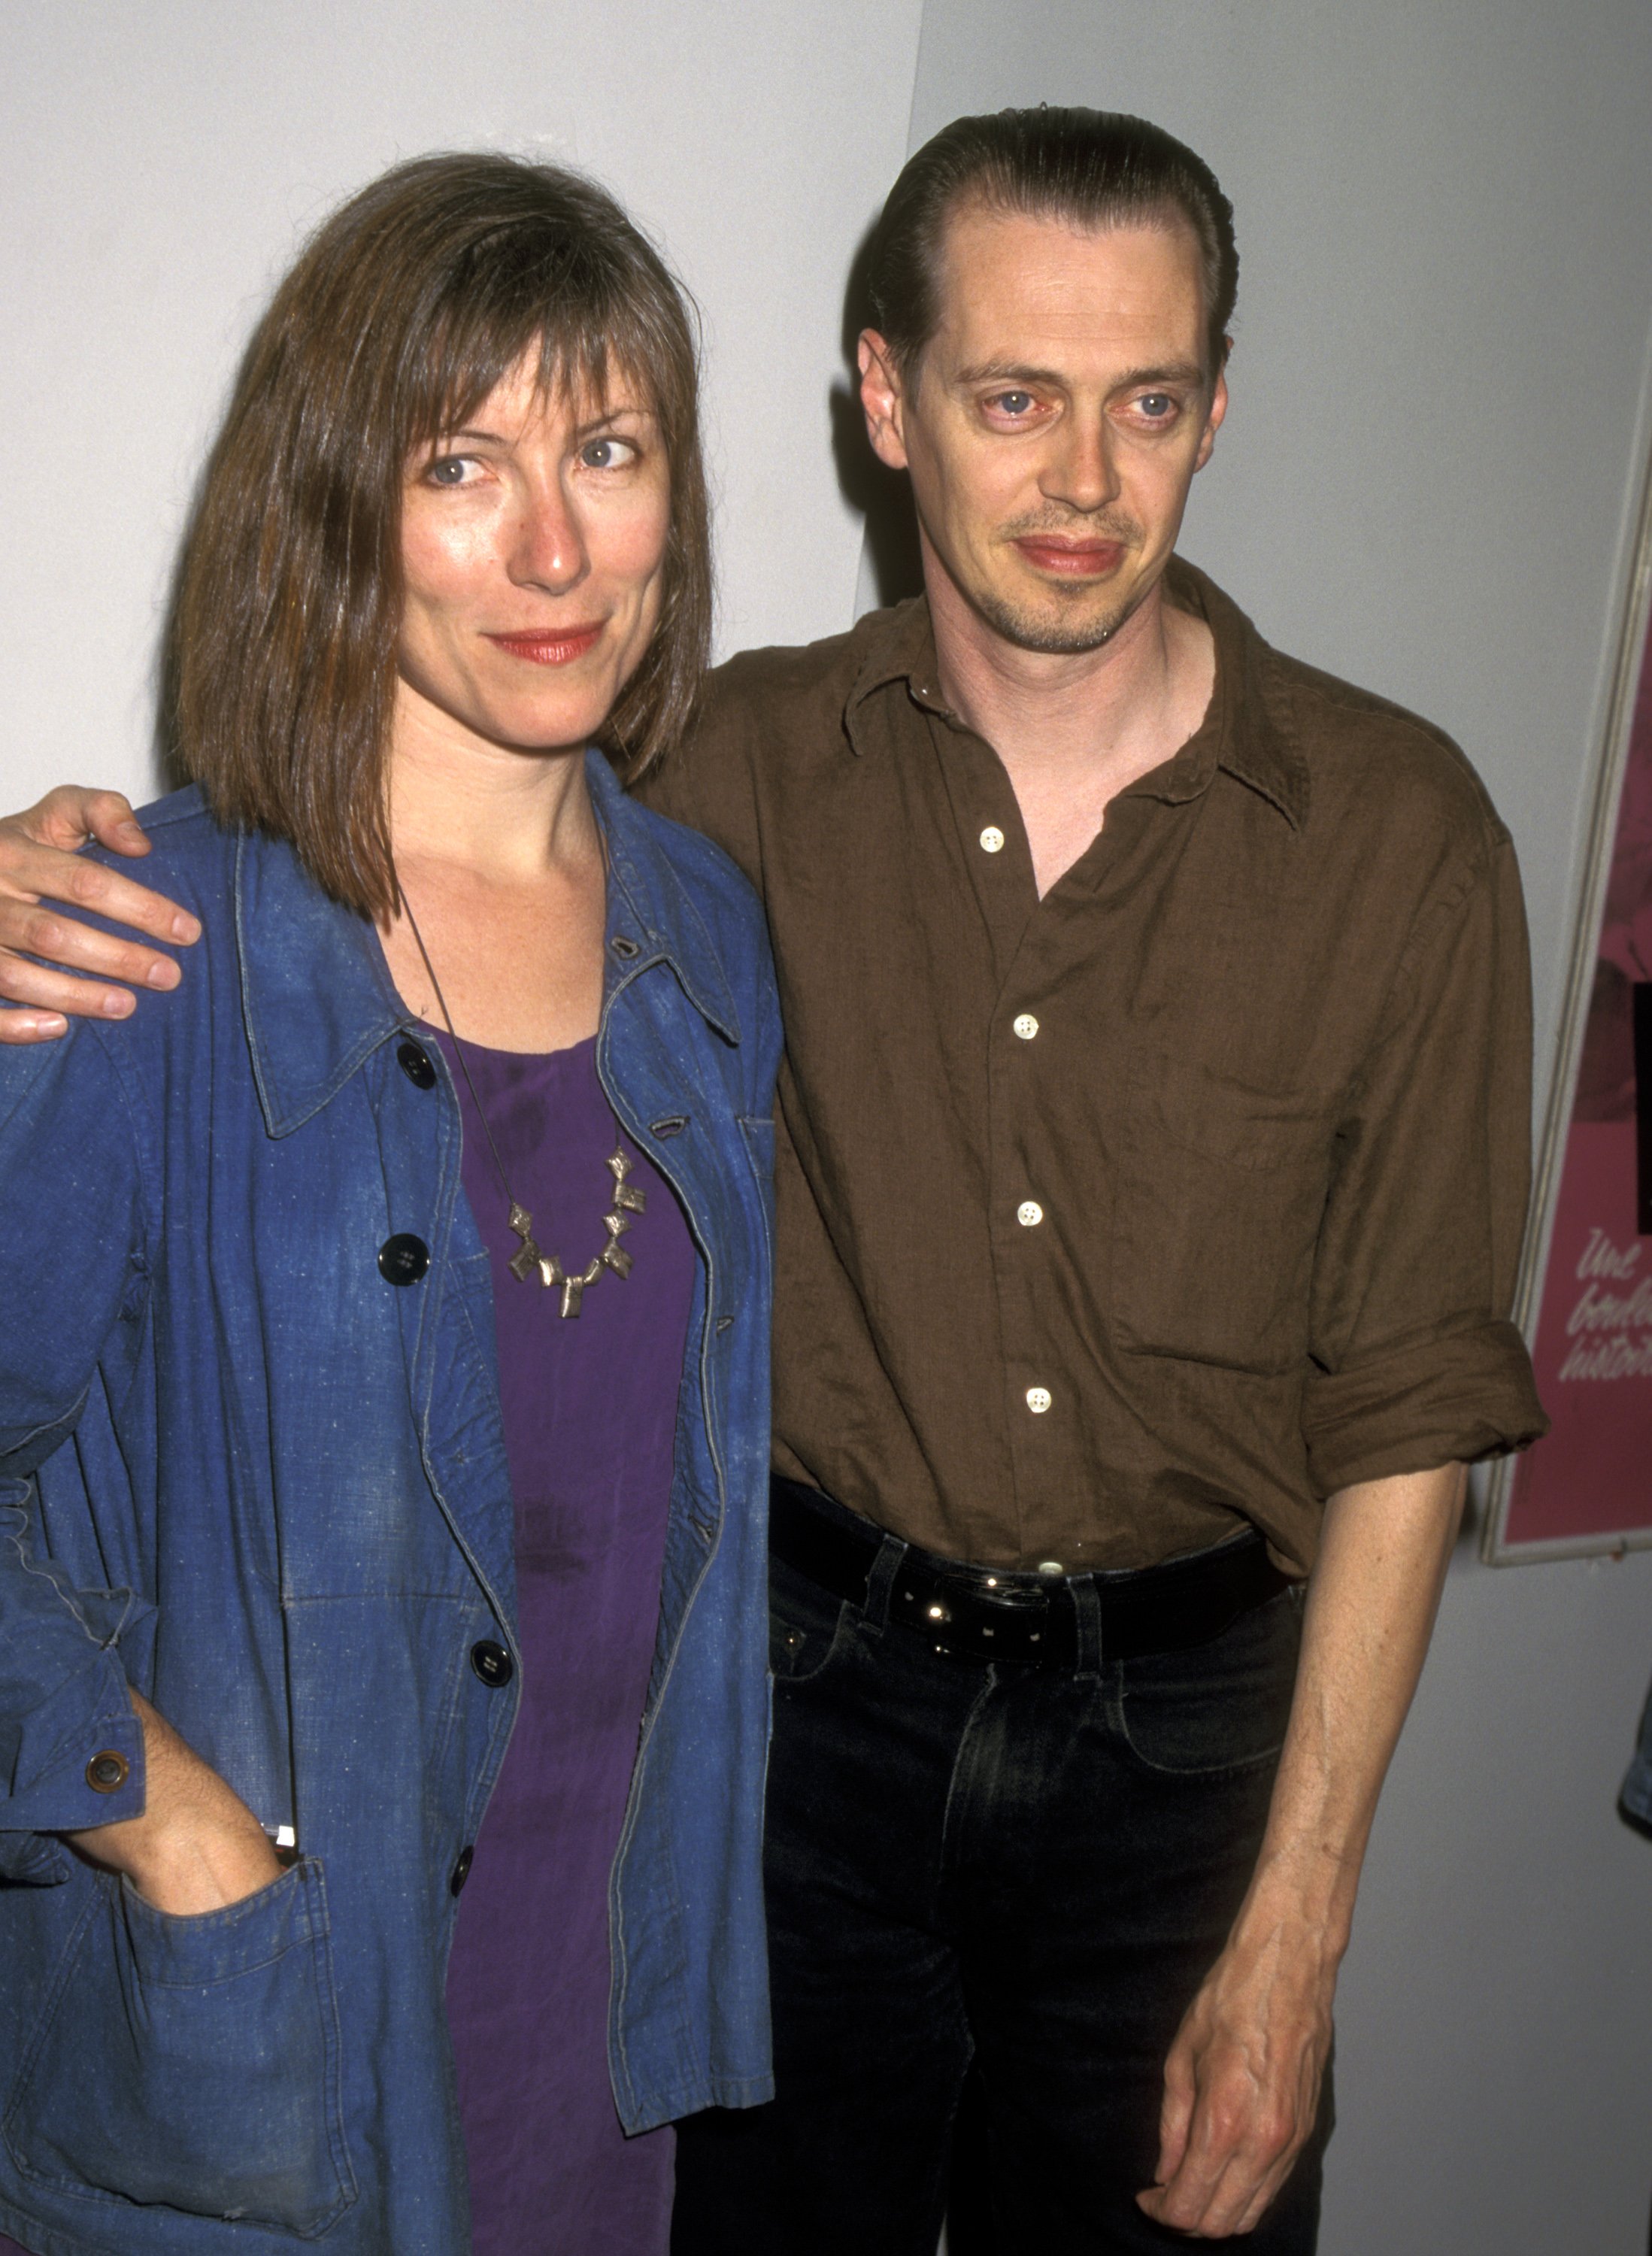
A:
x: 611, y: 415
x: 592, y: 423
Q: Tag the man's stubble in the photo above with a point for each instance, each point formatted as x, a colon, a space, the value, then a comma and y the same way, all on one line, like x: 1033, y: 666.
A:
x: 1044, y: 629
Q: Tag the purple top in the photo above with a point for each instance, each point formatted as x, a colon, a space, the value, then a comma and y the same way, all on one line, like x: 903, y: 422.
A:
x: 589, y: 1408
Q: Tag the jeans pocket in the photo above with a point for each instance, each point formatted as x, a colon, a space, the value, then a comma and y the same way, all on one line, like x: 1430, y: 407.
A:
x: 807, y: 1626
x: 192, y: 2062
x: 1219, y: 1707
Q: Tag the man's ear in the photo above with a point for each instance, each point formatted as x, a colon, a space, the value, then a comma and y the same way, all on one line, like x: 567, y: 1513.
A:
x: 1213, y: 419
x: 881, y: 397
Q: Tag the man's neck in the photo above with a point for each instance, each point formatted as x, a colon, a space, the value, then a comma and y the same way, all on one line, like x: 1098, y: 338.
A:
x: 1073, y: 729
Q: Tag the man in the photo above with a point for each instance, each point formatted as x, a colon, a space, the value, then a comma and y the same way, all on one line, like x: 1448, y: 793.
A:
x: 1151, y: 1168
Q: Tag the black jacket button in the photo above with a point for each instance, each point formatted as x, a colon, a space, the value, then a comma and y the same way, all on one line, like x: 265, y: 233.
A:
x: 416, y: 1065
x: 403, y: 1259
x: 461, y: 1870
x: 107, y: 1771
x: 493, y: 1664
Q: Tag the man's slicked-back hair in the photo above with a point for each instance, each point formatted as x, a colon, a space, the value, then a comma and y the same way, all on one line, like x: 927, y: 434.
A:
x: 1090, y: 168
x: 404, y: 310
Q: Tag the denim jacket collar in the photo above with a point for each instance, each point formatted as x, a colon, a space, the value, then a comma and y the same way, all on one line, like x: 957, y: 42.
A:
x: 648, y: 900
x: 318, y: 998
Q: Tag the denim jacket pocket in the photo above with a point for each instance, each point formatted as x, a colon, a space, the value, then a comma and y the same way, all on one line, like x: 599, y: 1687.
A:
x: 1220, y: 1190
x: 193, y: 2062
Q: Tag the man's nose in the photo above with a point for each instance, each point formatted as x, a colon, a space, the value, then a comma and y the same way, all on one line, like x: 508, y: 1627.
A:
x: 547, y: 543
x: 1081, y: 472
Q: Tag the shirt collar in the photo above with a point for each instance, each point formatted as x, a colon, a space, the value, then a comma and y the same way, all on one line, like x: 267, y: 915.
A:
x: 317, y: 997
x: 1248, y: 731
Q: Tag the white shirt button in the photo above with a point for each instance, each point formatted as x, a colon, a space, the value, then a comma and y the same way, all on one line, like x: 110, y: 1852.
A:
x: 991, y: 839
x: 1029, y: 1213
x: 1025, y: 1025
x: 1051, y: 1567
x: 1038, y: 1400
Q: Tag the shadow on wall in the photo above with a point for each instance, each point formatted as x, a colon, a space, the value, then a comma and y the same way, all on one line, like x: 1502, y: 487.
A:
x: 882, y: 497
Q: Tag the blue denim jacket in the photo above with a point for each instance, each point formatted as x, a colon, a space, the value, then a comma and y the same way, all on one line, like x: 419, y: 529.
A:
x: 248, y: 1472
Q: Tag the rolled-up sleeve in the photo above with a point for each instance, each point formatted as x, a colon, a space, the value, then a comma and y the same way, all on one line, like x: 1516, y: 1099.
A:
x: 70, y: 1749
x: 1416, y: 1362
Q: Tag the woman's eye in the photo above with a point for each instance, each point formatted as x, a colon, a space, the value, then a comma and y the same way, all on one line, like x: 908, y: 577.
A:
x: 450, y: 470
x: 607, y: 454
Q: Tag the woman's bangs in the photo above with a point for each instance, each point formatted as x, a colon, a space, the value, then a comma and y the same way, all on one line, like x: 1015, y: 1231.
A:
x: 587, y: 349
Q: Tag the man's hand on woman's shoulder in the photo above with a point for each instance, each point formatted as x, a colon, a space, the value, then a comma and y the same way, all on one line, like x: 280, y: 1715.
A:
x: 40, y: 867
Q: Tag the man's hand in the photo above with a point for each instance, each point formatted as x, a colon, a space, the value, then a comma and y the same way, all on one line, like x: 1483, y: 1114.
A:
x: 1241, y: 2086
x: 37, y: 864
x: 1242, y: 2083
x: 197, y: 1847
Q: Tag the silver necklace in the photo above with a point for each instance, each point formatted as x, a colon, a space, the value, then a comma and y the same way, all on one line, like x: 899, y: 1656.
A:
x: 528, y: 1261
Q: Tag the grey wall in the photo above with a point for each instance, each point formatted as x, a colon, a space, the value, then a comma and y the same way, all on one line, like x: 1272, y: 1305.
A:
x: 1423, y: 484
x: 1446, y: 284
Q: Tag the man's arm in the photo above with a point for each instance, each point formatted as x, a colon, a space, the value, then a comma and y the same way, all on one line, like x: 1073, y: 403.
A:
x: 1242, y: 2080
x: 39, y: 865
x: 1411, y: 1359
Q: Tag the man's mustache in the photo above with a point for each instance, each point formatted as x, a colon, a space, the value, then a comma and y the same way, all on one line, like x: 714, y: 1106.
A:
x: 1107, y: 526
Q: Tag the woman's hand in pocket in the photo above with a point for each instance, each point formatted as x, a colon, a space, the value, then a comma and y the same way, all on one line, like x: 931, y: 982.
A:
x: 197, y: 1847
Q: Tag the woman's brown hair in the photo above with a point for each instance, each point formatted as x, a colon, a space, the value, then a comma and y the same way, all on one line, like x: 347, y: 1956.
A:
x: 404, y: 310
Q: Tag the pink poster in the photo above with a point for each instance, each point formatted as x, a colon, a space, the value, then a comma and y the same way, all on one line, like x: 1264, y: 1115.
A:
x: 1588, y: 1486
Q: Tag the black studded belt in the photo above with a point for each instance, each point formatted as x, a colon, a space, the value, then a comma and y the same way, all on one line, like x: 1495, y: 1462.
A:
x: 979, y: 1613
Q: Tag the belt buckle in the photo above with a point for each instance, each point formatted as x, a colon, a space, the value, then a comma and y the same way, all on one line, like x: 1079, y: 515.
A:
x: 1019, y: 1598
x: 959, y: 1604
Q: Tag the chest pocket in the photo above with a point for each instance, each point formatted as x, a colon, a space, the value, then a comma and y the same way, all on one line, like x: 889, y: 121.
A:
x: 1219, y: 1193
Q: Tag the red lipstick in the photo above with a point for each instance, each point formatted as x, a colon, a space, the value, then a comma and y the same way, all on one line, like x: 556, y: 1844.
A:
x: 548, y: 645
x: 1071, y: 560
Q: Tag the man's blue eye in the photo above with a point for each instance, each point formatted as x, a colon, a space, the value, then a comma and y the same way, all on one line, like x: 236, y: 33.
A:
x: 1014, y: 403
x: 1157, y: 404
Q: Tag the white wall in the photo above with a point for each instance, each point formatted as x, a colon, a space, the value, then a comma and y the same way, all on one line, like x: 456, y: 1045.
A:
x: 158, y: 165
x: 1423, y: 483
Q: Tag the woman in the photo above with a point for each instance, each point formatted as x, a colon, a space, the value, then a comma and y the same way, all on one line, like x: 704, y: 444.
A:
x: 382, y: 1398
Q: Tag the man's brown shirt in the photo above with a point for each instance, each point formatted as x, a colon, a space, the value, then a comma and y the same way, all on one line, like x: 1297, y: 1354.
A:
x: 1177, y: 1200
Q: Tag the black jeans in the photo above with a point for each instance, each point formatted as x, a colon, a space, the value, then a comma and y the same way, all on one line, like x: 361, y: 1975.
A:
x: 1031, y: 1871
